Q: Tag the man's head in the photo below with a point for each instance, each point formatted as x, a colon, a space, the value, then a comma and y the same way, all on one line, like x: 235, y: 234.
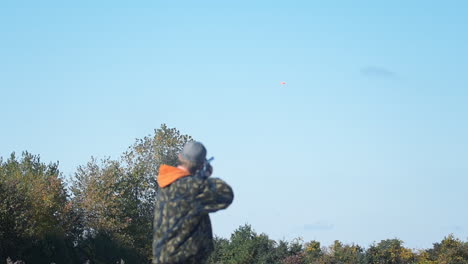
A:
x: 193, y: 156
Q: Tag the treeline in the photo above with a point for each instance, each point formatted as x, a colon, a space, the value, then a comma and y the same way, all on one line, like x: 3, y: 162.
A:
x: 104, y: 215
x: 246, y: 246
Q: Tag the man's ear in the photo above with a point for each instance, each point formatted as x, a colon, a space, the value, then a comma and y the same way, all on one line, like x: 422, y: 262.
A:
x: 179, y: 157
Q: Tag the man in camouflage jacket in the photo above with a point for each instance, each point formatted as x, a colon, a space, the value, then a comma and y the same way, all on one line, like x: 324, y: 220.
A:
x: 182, y: 227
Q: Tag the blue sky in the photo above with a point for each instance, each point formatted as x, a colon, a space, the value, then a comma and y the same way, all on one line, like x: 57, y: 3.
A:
x: 366, y: 141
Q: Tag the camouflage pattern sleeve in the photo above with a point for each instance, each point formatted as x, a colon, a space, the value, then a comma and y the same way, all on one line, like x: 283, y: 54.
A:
x: 214, y: 195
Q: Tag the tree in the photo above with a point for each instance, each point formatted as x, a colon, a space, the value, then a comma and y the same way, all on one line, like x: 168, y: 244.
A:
x: 241, y: 248
x: 141, y: 162
x: 296, y: 254
x: 343, y: 254
x: 246, y: 246
x: 220, y: 250
x: 450, y: 250
x: 294, y: 259
x: 116, y: 198
x: 283, y: 250
x: 34, y: 210
x: 313, y: 252
x: 390, y: 251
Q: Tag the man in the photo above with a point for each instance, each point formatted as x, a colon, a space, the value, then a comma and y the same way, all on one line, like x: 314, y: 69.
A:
x: 182, y: 227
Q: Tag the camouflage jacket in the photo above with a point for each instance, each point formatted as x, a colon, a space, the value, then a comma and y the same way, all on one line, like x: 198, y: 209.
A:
x: 182, y: 227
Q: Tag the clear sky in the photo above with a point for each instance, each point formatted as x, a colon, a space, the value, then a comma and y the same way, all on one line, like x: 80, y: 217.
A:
x: 366, y: 141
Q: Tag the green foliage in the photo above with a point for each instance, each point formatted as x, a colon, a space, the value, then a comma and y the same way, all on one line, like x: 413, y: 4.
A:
x: 246, y: 246
x: 294, y: 259
x: 242, y: 248
x: 34, y: 211
x: 221, y: 248
x: 313, y: 252
x: 116, y: 198
x: 449, y: 251
x: 390, y: 251
x: 283, y: 250
x: 340, y: 253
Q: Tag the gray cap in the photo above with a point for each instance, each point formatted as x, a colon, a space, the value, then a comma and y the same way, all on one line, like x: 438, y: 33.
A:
x: 194, y: 151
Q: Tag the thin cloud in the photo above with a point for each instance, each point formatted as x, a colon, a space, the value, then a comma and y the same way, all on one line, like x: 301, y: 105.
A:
x: 319, y: 226
x: 378, y: 72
